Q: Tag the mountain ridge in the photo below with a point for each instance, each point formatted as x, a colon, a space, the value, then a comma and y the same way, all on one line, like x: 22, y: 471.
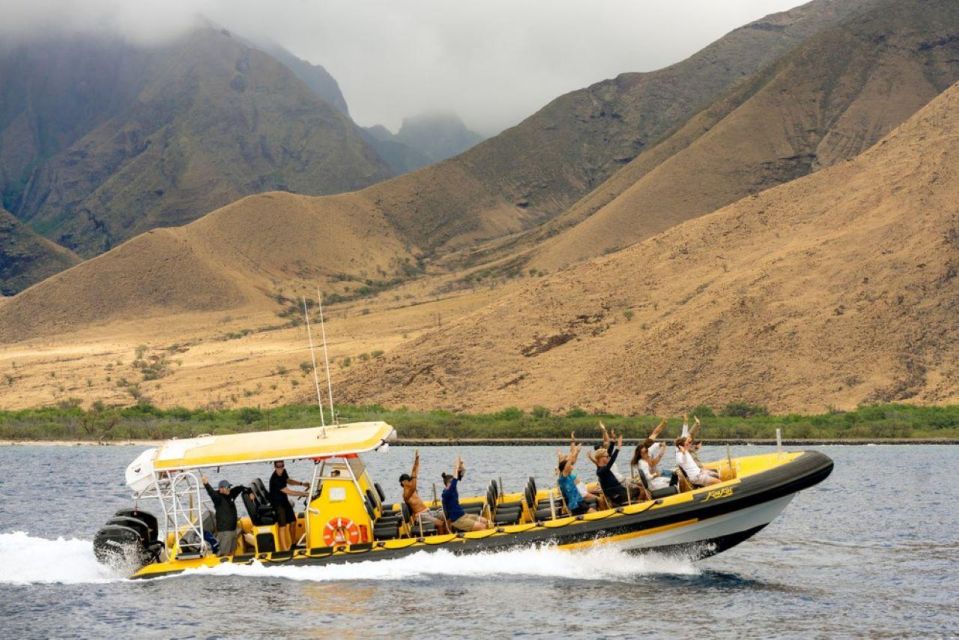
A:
x: 834, y: 96
x: 838, y: 288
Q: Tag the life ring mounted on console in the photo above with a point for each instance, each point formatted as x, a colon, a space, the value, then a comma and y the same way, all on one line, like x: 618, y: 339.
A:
x: 341, y: 531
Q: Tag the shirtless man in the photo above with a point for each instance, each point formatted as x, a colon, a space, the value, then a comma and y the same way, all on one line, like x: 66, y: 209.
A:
x: 421, y: 513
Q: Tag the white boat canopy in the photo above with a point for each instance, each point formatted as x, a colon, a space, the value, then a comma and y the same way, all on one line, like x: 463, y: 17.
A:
x: 261, y: 446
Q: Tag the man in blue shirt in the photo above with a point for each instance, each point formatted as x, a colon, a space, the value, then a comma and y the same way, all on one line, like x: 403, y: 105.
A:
x: 459, y: 519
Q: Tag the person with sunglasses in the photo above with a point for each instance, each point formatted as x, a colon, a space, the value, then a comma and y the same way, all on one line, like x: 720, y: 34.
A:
x: 285, y: 517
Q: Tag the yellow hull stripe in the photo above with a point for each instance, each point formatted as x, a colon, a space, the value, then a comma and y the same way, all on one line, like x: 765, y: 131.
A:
x: 628, y: 536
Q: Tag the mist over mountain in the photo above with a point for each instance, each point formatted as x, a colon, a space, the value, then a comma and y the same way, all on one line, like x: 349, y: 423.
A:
x: 101, y: 139
x: 422, y: 140
x: 314, y: 76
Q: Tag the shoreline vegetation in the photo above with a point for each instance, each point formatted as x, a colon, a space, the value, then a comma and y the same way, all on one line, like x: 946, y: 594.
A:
x: 734, y: 423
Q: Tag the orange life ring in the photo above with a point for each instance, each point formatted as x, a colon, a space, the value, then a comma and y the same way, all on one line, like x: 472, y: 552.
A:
x: 341, y: 531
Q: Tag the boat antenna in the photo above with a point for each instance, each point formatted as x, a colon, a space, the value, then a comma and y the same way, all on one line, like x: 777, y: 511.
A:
x: 316, y: 378
x: 326, y: 357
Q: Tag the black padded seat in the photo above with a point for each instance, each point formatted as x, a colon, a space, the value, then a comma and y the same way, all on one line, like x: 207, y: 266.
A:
x: 259, y: 508
x: 665, y: 491
x: 428, y: 529
x: 259, y: 489
x: 386, y: 530
x: 671, y: 490
x: 475, y: 509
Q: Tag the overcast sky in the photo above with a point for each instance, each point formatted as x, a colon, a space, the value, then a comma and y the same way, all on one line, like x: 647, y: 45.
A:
x: 493, y: 62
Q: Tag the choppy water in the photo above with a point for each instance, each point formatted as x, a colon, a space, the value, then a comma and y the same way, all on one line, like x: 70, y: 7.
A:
x: 872, y: 552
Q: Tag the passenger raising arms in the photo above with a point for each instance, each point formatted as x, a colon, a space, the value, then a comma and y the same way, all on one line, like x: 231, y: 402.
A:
x: 459, y: 519
x: 225, y: 512
x: 575, y: 502
x: 647, y: 456
x: 607, y: 439
x: 421, y: 513
x: 697, y: 475
x: 615, y: 491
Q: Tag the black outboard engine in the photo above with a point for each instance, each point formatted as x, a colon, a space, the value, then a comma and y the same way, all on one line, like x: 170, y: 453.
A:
x: 128, y: 540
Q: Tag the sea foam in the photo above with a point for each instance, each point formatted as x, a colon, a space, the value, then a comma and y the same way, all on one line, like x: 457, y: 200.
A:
x: 28, y: 559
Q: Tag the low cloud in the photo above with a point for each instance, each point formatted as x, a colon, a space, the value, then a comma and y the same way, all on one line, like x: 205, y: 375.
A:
x: 492, y: 62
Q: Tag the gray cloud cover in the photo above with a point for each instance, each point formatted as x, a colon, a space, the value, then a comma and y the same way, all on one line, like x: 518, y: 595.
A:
x: 492, y: 62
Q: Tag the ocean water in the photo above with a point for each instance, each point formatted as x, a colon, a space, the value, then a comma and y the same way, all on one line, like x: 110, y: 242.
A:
x: 873, y: 552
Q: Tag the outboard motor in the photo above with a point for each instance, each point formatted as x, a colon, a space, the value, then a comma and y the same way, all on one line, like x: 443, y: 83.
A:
x: 128, y: 540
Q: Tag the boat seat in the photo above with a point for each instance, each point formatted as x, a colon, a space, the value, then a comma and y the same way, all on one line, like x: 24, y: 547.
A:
x: 260, y: 490
x: 425, y: 529
x: 386, y: 530
x: 682, y: 480
x: 259, y: 508
x: 671, y: 490
x: 665, y: 491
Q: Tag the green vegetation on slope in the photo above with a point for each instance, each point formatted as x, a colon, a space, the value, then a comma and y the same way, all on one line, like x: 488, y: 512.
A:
x: 102, y: 423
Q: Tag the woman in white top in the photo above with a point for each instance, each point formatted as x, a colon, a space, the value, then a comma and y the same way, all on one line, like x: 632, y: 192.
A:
x: 647, y: 464
x: 684, y: 459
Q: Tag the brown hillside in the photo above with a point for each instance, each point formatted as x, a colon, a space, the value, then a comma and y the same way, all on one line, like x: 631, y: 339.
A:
x: 196, y: 138
x: 534, y: 171
x: 827, y: 101
x: 27, y: 258
x: 238, y: 257
x: 832, y: 290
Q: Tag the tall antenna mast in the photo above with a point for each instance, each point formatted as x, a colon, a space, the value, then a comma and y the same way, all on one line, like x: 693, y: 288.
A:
x: 316, y: 379
x: 326, y: 357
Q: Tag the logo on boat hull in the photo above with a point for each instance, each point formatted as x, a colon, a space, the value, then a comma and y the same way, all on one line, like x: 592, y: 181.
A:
x: 718, y: 494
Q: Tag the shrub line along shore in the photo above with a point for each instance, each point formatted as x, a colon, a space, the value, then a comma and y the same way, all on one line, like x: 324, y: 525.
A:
x: 735, y: 423
x: 520, y: 442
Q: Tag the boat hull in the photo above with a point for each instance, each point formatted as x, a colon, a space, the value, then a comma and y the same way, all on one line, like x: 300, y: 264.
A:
x: 698, y: 524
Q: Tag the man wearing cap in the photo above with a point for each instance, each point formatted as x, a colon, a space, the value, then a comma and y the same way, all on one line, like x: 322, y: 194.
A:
x: 223, y: 502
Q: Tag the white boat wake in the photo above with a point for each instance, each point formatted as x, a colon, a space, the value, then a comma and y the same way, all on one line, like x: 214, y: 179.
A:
x: 31, y: 560
x: 27, y: 559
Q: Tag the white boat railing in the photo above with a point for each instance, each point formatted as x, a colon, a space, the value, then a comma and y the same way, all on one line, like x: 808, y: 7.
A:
x: 178, y: 493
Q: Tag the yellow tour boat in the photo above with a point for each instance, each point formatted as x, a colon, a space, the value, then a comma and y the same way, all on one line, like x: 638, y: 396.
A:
x: 347, y: 519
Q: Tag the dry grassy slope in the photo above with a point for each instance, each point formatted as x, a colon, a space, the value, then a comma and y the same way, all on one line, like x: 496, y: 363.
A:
x: 235, y: 258
x: 466, y: 198
x: 537, y: 169
x: 835, y: 289
x: 27, y: 258
x: 213, y: 121
x: 833, y: 97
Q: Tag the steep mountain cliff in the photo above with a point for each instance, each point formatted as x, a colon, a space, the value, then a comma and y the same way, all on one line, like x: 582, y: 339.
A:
x: 102, y: 140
